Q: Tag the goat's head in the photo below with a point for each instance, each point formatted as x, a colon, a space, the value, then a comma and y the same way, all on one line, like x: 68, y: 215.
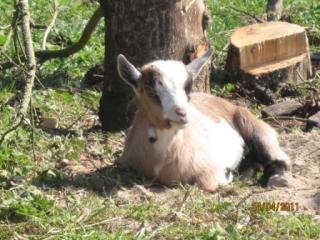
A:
x: 163, y: 88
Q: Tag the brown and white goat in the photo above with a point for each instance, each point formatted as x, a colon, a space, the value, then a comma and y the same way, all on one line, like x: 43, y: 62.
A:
x: 178, y: 136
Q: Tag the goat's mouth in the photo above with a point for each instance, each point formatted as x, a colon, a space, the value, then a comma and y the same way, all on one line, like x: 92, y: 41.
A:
x: 180, y: 121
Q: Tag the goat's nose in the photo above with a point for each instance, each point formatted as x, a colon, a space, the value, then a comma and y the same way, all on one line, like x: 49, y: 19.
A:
x: 181, y: 112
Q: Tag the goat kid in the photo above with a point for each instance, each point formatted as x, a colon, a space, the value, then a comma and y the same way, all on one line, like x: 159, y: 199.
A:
x: 179, y: 136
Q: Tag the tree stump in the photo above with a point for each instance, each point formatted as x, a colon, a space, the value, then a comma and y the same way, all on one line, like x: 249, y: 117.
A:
x: 269, y: 54
x: 145, y: 31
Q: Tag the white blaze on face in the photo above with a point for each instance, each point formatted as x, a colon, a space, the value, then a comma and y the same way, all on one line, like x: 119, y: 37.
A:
x: 172, y: 92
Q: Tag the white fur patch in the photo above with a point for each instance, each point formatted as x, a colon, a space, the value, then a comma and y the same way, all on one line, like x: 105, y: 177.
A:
x: 215, y: 145
x: 172, y: 93
x: 221, y: 142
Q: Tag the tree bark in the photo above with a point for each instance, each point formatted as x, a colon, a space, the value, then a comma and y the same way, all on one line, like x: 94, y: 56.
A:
x: 144, y: 31
x: 29, y: 50
x: 274, y: 10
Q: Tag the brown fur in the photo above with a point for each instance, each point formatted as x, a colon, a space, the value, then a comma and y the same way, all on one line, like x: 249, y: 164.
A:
x: 140, y: 154
x: 149, y: 108
x: 187, y: 154
x: 258, y: 135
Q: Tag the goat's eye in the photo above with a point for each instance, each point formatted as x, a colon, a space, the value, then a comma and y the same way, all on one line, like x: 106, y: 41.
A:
x: 188, y: 87
x: 153, y: 95
x: 150, y: 83
x: 159, y: 82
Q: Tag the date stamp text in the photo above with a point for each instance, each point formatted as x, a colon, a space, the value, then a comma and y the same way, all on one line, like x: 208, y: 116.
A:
x: 275, y: 206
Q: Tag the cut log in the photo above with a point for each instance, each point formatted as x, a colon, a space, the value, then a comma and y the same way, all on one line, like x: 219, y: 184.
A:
x: 269, y: 54
x: 286, y: 108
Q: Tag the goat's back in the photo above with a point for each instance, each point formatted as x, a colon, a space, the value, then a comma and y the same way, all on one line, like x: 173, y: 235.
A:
x: 213, y: 107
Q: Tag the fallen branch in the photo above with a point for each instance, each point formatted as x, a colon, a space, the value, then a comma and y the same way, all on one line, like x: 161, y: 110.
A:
x: 285, y: 118
x: 44, y: 55
x: 50, y: 26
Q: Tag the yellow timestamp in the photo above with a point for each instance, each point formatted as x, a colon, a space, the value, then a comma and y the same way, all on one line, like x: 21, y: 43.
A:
x: 275, y: 206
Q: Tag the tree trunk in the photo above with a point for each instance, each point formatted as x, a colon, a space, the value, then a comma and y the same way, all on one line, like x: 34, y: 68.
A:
x: 144, y: 31
x: 274, y: 10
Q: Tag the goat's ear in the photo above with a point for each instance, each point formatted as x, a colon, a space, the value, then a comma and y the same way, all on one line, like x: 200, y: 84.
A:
x: 127, y: 71
x: 195, y: 67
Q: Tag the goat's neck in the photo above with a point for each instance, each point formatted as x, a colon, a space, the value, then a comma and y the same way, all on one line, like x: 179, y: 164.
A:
x: 151, y: 118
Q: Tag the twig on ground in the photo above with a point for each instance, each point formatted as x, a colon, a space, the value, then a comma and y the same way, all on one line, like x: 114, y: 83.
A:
x: 152, y: 234
x: 276, y: 118
x: 102, y: 222
x: 77, y: 120
x: 5, y: 134
x: 248, y: 14
x: 186, y: 196
x: 114, y: 141
x: 312, y: 152
x: 300, y: 76
x: 242, y: 201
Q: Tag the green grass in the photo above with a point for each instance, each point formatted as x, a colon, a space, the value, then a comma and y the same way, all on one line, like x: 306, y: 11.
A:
x: 62, y: 184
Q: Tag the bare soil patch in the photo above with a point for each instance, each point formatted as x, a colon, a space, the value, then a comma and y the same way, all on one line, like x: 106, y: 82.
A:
x: 302, y: 181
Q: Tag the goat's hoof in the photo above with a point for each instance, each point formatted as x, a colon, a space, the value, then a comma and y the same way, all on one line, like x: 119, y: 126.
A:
x: 210, y: 189
x: 208, y: 186
x: 278, y: 180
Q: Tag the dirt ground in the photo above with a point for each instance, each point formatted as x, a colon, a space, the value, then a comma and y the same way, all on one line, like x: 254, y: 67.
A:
x: 303, y: 180
x: 301, y: 183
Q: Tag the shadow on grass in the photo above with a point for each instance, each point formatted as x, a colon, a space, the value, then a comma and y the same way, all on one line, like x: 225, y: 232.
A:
x: 105, y: 181
x: 70, y: 132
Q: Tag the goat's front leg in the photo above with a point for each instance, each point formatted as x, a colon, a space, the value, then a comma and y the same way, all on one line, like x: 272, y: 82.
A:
x: 210, y: 181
